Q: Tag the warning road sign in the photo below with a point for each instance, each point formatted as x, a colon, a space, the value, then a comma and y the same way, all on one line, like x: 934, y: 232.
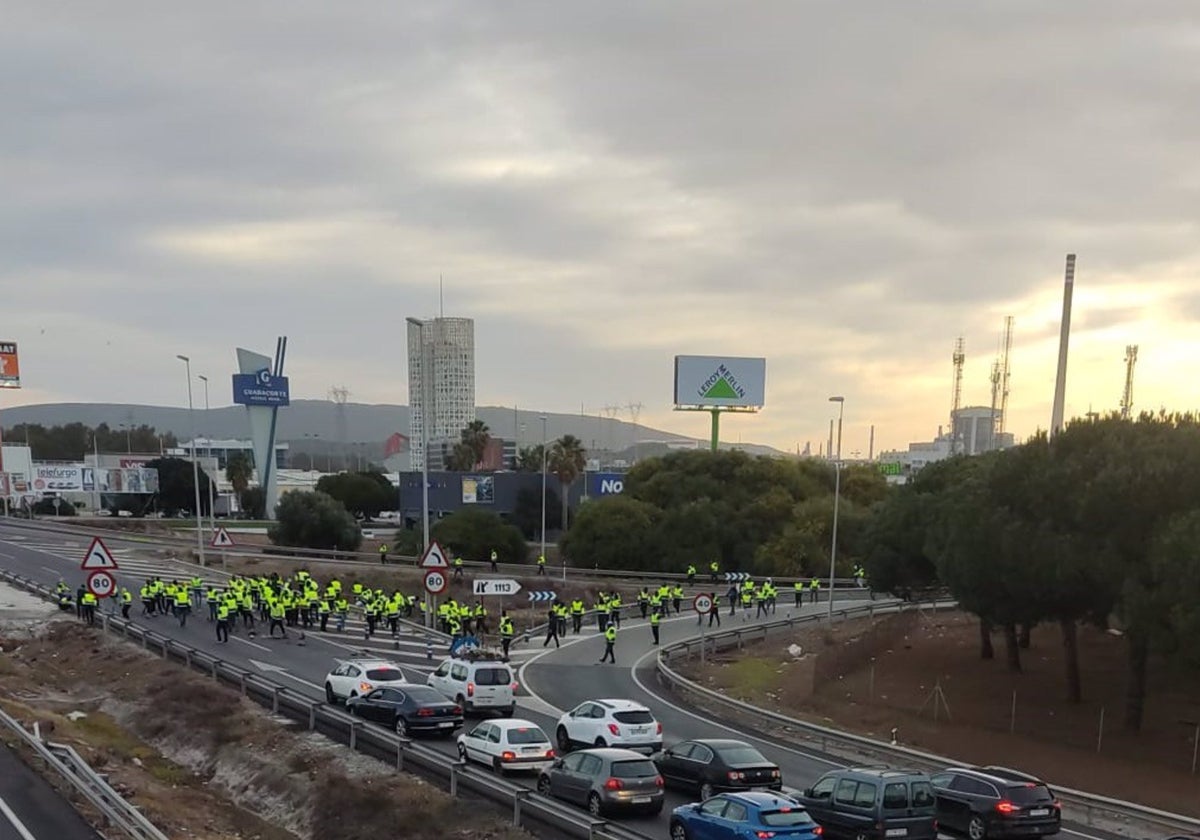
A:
x: 98, y: 557
x: 434, y: 557
x: 101, y: 584
x: 221, y: 539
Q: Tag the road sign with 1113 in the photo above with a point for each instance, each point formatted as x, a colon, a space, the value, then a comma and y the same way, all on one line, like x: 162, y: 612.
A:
x: 494, y: 586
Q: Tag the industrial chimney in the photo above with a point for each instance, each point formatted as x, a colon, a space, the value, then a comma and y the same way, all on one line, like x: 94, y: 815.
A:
x: 1064, y: 337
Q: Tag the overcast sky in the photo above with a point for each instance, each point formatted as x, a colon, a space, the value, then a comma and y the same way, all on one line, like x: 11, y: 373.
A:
x: 843, y: 188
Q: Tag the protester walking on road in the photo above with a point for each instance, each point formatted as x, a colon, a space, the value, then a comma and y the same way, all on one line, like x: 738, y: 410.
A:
x: 610, y: 639
x: 654, y: 619
x: 714, y: 612
x: 551, y: 628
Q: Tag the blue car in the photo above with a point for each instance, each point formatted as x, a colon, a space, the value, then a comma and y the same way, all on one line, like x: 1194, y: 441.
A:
x: 743, y: 816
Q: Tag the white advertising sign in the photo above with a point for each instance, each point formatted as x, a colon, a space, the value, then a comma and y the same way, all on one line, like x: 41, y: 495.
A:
x: 718, y: 381
x: 50, y: 478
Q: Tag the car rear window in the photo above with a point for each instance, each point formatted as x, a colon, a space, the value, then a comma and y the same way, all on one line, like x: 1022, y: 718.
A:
x: 385, y: 675
x: 922, y: 795
x: 527, y: 735
x: 425, y: 694
x: 1029, y: 794
x: 785, y: 817
x: 492, y: 676
x: 641, y: 716
x: 743, y: 755
x: 634, y: 769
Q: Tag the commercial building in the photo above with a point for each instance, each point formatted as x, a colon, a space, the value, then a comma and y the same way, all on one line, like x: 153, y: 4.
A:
x: 441, y: 381
x: 974, y: 432
x: 220, y: 450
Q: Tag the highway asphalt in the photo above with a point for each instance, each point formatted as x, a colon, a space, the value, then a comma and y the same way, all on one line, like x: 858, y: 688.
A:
x: 552, y: 680
x: 32, y: 810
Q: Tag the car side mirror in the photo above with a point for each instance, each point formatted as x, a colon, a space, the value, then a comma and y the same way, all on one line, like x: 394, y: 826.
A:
x: 558, y: 762
x: 807, y: 792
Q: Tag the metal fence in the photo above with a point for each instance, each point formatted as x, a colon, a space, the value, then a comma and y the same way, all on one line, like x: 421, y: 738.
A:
x: 1087, y: 808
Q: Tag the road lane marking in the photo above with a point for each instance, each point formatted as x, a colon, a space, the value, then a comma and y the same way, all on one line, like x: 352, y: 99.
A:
x: 16, y: 823
x: 252, y: 644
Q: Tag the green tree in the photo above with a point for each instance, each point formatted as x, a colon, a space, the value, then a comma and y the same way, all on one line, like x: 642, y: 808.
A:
x: 473, y: 533
x: 461, y: 458
x: 476, y: 436
x: 176, y: 486
x: 238, y: 472
x: 254, y: 503
x: 314, y: 520
x: 615, y: 532
x: 529, y: 458
x: 567, y: 458
x: 527, y: 512
x: 363, y: 494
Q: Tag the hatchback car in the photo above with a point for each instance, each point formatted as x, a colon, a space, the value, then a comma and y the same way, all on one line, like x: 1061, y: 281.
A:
x: 712, y: 765
x: 507, y: 745
x: 409, y: 710
x: 355, y: 677
x: 605, y: 781
x: 861, y: 802
x: 735, y: 816
x: 484, y: 684
x: 995, y: 802
x: 609, y: 723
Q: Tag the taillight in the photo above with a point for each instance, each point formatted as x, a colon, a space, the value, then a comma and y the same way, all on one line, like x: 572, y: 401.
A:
x: 1006, y: 807
x: 614, y: 729
x: 470, y: 689
x: 549, y: 753
x: 364, y: 687
x: 764, y: 835
x: 515, y: 686
x: 457, y: 710
x: 819, y: 831
x: 1057, y: 804
x: 612, y: 784
x: 508, y: 755
x: 658, y: 781
x: 658, y: 728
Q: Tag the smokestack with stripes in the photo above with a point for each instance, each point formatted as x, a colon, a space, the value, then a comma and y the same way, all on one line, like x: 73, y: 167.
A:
x: 1064, y: 337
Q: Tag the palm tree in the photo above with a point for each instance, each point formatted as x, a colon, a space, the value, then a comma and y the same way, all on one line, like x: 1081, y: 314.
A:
x: 567, y: 459
x: 237, y: 473
x: 529, y: 458
x: 476, y: 436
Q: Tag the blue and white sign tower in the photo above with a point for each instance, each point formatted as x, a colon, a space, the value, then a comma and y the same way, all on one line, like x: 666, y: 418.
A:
x: 261, y: 386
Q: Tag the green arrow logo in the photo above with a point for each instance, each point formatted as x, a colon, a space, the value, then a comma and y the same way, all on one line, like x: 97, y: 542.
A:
x: 721, y: 390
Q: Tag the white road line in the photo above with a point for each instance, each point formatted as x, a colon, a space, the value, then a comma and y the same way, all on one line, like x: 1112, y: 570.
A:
x: 16, y: 823
x: 1081, y: 834
x: 252, y: 644
x: 52, y: 571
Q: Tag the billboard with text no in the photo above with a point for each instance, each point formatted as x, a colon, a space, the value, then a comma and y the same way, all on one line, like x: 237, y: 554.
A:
x: 720, y: 381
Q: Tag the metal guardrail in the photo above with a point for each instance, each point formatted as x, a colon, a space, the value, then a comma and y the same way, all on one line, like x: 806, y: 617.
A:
x: 1084, y: 807
x: 527, y: 805
x: 61, y: 758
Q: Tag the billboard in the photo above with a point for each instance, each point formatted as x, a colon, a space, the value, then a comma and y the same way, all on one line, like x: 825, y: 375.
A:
x: 58, y: 478
x: 80, y: 478
x: 261, y: 388
x: 719, y: 381
x: 478, y: 490
x: 10, y: 366
x: 605, y: 483
x: 5, y: 487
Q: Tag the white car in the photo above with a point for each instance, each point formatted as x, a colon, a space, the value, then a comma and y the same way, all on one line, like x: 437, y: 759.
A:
x: 479, y: 684
x: 610, y: 723
x: 356, y: 677
x: 507, y: 745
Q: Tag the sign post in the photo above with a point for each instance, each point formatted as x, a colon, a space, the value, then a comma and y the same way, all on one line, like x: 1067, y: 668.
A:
x: 434, y: 559
x: 702, y: 604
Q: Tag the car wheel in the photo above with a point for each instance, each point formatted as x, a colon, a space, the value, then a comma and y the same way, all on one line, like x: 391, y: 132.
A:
x: 861, y: 836
x: 508, y: 712
x: 462, y: 753
x: 463, y: 704
x: 498, y: 766
x: 595, y: 806
x: 330, y: 697
x: 656, y: 810
x: 706, y: 791
x: 600, y: 742
x: 977, y: 828
x: 679, y: 831
x: 564, y: 741
x: 401, y: 727
x: 543, y: 785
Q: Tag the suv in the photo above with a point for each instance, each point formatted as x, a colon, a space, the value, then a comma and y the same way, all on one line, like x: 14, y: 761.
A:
x: 995, y: 802
x: 873, y: 802
x: 356, y: 677
x: 610, y: 723
x: 477, y: 684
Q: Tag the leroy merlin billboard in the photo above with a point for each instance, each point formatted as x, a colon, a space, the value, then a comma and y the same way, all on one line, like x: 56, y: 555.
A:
x: 719, y: 381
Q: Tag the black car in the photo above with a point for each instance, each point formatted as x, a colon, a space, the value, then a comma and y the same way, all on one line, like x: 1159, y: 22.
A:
x: 409, y: 710
x: 995, y: 802
x: 711, y: 765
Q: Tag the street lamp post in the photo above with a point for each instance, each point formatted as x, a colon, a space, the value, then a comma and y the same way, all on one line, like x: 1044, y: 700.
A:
x: 195, y: 464
x: 837, y: 493
x: 544, y: 442
x: 212, y: 484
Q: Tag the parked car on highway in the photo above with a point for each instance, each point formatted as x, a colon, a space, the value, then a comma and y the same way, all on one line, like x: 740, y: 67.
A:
x: 609, y: 723
x: 995, y: 802
x: 873, y: 802
x: 507, y: 745
x: 355, y: 677
x: 711, y: 765
x: 484, y: 683
x: 605, y: 780
x: 410, y: 709
x: 736, y: 816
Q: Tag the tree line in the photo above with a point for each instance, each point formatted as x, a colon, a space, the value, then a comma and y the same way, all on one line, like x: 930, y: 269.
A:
x: 72, y: 441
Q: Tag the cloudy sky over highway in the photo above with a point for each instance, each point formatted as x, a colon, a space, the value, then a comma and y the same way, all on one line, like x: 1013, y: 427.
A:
x: 843, y: 188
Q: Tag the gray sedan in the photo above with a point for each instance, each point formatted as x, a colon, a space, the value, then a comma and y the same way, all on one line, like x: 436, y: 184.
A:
x: 605, y: 780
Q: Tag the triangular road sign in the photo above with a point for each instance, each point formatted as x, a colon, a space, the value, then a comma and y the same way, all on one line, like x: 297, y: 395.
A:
x: 98, y: 557
x: 221, y: 539
x: 434, y: 557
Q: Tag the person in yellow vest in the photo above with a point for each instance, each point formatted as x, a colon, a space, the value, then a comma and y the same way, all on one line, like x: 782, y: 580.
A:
x: 691, y: 573
x: 481, y: 615
x: 506, y: 632
x: 541, y: 564
x: 126, y: 602
x: 148, y: 600
x: 576, y: 615
x: 713, y: 568
x: 278, y: 614
x: 610, y: 639
x: 814, y: 589
x: 677, y: 597
x: 458, y: 567
x: 747, y: 600
x: 183, y: 604
x: 383, y: 553
x: 88, y: 603
x: 494, y: 557
x: 614, y: 609
x: 342, y: 608
x: 798, y: 591
x: 324, y: 609
x: 654, y: 619
x: 222, y: 623
x: 643, y: 600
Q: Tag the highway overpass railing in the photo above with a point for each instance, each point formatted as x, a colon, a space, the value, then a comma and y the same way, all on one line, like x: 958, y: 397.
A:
x: 529, y: 809
x: 1079, y: 806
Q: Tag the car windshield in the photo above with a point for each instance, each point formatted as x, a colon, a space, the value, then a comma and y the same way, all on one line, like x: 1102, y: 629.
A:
x: 527, y: 735
x: 639, y: 716
x: 1029, y: 794
x: 424, y: 694
x: 386, y: 675
x: 634, y: 769
x: 743, y: 755
x: 785, y: 817
x: 492, y: 676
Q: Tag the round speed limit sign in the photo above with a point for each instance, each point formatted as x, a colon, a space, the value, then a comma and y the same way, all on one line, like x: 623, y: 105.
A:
x: 702, y: 604
x: 101, y: 584
x: 435, y: 582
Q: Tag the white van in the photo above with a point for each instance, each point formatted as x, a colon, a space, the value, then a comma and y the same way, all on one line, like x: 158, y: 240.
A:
x: 477, y: 684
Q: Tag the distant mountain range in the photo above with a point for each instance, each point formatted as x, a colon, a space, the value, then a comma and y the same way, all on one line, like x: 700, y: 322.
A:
x: 309, y: 425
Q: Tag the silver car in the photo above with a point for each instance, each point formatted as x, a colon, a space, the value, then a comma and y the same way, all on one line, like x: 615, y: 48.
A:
x: 605, y: 780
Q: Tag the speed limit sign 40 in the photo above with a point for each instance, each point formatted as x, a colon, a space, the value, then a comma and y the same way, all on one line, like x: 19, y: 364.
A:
x: 101, y: 584
x: 702, y: 604
x: 435, y: 582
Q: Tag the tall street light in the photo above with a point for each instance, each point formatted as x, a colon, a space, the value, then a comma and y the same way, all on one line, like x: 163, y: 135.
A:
x: 544, y: 443
x: 195, y: 464
x: 212, y: 484
x: 837, y: 493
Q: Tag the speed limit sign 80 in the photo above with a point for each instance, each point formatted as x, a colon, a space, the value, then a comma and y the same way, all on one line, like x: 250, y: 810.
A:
x: 702, y: 604
x: 435, y: 582
x: 101, y: 584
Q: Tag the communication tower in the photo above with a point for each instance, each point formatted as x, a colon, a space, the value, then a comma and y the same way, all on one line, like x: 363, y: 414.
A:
x: 959, y: 357
x: 1131, y: 353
